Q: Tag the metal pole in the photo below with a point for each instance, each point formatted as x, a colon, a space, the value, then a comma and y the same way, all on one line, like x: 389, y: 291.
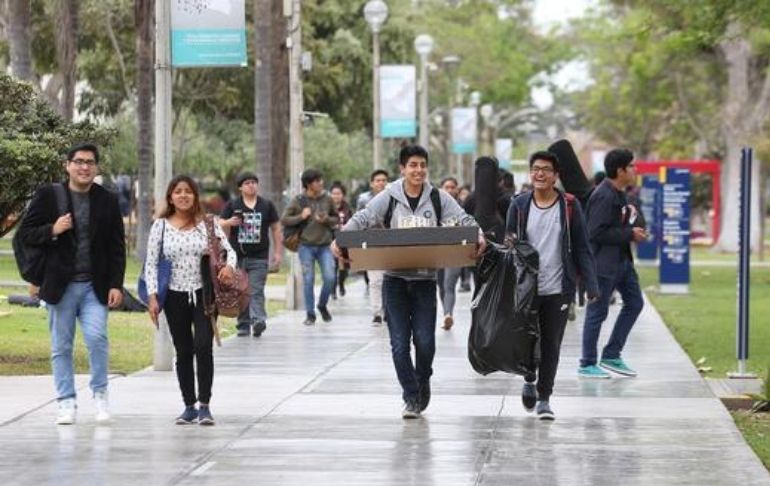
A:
x: 744, y: 257
x: 376, y: 149
x: 424, y: 134
x: 162, y: 352
x: 294, y: 296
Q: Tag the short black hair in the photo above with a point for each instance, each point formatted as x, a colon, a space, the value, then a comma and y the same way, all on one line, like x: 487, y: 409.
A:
x: 617, y: 159
x: 505, y: 178
x: 310, y: 176
x: 547, y: 156
x: 411, y: 151
x: 86, y: 147
x: 379, y: 172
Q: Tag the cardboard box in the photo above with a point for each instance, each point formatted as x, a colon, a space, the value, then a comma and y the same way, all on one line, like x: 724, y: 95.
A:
x: 404, y: 248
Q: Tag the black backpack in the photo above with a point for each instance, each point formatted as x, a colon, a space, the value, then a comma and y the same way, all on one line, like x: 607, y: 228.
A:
x: 435, y: 198
x: 31, y: 259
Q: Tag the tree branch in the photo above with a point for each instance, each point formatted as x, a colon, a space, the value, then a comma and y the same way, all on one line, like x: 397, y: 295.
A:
x: 760, y: 111
x: 118, y: 52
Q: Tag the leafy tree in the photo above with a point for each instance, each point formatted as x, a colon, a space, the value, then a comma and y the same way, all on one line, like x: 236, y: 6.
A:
x: 339, y: 156
x: 32, y: 140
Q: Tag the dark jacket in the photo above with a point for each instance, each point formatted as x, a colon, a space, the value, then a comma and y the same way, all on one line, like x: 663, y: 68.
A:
x: 314, y: 233
x: 108, y: 247
x: 577, y: 260
x: 608, y: 229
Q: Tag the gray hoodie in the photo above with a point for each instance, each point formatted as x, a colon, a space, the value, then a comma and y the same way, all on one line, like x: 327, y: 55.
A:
x: 373, y: 214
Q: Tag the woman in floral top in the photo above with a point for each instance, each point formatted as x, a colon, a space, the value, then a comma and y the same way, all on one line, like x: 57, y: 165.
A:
x: 338, y: 194
x: 182, y: 231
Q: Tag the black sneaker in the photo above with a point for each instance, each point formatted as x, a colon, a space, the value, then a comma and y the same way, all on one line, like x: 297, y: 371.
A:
x: 544, y: 411
x: 324, y: 313
x: 342, y: 290
x: 377, y: 321
x: 205, y: 417
x: 259, y: 328
x: 309, y: 320
x: 411, y: 409
x: 243, y: 331
x: 529, y: 397
x: 424, y: 395
x: 188, y: 416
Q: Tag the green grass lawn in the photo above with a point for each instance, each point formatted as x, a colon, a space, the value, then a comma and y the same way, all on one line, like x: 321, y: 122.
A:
x: 755, y: 428
x: 25, y: 345
x: 704, y: 320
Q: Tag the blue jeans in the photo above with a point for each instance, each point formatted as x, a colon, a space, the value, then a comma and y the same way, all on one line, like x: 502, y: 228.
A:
x: 308, y: 255
x: 78, y: 302
x: 257, y: 270
x: 411, y: 310
x: 626, y: 282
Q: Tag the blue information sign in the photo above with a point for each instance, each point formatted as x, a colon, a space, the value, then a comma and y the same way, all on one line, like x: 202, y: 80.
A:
x: 649, y: 199
x: 675, y: 231
x: 208, y: 33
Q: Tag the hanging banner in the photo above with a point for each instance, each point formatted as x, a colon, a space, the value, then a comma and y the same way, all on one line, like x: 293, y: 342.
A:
x: 675, y: 231
x: 398, y: 101
x: 504, y: 152
x: 207, y: 33
x: 464, y: 130
x: 649, y: 200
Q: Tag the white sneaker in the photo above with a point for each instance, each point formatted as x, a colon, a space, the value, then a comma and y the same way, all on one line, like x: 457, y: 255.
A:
x: 67, y: 410
x: 102, y: 407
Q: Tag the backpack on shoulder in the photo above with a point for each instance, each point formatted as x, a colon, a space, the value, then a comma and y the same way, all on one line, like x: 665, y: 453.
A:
x: 31, y: 260
x: 291, y: 234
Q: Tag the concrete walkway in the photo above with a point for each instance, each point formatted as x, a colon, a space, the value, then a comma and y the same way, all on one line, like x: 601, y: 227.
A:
x: 321, y: 406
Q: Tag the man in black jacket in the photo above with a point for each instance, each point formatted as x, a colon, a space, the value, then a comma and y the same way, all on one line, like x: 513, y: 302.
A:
x: 611, y: 230
x: 552, y: 222
x: 84, y: 270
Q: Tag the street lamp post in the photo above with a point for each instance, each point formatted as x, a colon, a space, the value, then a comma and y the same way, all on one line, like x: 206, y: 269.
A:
x: 450, y: 63
x: 423, y: 44
x: 375, y: 13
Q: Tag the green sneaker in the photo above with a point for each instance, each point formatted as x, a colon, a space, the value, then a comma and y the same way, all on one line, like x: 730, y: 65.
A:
x: 617, y: 366
x: 592, y: 371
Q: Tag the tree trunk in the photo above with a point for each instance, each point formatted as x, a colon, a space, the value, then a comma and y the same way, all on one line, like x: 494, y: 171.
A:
x: 18, y: 37
x: 66, y: 54
x: 280, y: 105
x: 144, y: 20
x: 737, y: 132
x: 263, y: 99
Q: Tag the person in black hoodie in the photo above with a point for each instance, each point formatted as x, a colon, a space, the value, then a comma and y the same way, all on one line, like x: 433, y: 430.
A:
x: 84, y: 270
x: 611, y: 229
x: 552, y: 222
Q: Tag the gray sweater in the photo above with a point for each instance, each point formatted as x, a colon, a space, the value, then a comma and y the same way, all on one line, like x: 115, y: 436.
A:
x: 374, y: 213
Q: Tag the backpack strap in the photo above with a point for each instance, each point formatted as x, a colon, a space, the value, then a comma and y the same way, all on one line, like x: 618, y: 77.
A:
x: 389, y: 212
x: 60, y: 192
x: 569, y: 199
x: 435, y: 198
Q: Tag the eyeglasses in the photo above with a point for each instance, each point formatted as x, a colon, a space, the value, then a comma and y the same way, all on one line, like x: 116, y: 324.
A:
x: 81, y: 162
x: 545, y: 170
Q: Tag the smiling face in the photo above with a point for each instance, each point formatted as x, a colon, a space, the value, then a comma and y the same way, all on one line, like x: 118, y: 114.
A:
x: 415, y: 172
x: 450, y: 186
x: 543, y: 175
x: 183, y: 197
x: 82, y: 168
x: 337, y: 195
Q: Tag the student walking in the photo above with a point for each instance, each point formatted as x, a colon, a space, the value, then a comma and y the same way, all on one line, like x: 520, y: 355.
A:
x: 181, y: 231
x: 611, y: 230
x: 314, y: 209
x: 410, y: 295
x: 249, y: 220
x: 552, y: 222
x: 84, y: 269
x: 338, y: 194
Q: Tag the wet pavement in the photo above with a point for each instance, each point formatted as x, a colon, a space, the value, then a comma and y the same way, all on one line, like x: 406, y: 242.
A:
x: 321, y: 406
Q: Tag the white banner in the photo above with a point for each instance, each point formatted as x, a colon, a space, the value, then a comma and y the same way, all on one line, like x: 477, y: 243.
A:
x: 208, y: 33
x: 464, y: 121
x: 504, y: 152
x: 398, y: 101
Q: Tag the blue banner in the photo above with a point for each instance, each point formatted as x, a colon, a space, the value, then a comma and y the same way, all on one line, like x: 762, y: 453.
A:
x: 649, y: 200
x: 398, y: 101
x: 206, y: 33
x: 675, y: 231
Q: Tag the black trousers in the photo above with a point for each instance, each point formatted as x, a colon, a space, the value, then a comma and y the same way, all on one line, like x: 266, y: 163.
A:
x: 552, y: 319
x: 192, y: 336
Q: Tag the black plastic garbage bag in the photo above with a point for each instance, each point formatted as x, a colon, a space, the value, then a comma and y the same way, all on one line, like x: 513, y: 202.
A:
x: 504, y: 331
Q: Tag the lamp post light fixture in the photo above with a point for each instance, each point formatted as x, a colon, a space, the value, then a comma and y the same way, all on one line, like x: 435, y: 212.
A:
x: 423, y: 44
x: 376, y: 13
